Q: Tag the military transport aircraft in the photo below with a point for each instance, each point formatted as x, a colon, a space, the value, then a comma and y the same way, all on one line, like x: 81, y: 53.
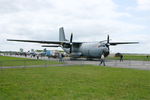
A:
x: 79, y: 49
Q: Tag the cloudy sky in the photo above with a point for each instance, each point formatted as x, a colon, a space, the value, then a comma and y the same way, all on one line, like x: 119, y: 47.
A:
x: 89, y: 20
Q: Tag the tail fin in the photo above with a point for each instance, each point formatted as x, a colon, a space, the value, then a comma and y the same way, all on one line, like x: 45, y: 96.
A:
x: 62, y: 34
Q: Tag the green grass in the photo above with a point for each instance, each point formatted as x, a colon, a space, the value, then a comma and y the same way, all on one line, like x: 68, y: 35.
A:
x: 4, y: 58
x: 132, y: 57
x: 74, y: 83
x: 14, y: 61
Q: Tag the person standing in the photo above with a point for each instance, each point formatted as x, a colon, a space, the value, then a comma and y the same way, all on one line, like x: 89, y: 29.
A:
x: 60, y: 57
x: 102, y: 60
x: 147, y: 56
x: 121, y: 58
x: 37, y: 57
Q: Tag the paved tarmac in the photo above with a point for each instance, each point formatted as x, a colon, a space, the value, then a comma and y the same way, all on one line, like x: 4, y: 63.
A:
x: 145, y: 65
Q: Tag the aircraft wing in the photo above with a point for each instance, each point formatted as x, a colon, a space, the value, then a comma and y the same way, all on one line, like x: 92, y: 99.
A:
x: 116, y: 43
x: 45, y: 42
x: 35, y: 41
x: 50, y: 45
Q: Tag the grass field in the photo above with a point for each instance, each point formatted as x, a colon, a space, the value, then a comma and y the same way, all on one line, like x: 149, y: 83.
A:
x: 132, y: 57
x: 14, y: 61
x: 74, y: 83
x: 4, y: 58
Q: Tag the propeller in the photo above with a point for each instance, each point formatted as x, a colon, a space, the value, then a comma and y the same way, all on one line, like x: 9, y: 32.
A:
x: 107, y: 44
x: 71, y: 37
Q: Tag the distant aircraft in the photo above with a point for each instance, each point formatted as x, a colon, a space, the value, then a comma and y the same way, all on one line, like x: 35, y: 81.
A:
x: 41, y: 53
x: 79, y: 49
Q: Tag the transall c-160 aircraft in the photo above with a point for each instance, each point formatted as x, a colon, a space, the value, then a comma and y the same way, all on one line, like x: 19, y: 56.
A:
x: 79, y: 49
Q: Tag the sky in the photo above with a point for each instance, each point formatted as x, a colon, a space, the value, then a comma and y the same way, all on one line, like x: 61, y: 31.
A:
x: 88, y: 20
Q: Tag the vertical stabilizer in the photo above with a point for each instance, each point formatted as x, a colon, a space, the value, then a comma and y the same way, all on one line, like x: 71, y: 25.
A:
x: 62, y: 34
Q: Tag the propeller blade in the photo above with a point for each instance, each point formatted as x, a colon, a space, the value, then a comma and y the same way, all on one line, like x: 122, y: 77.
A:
x: 107, y: 44
x: 108, y: 39
x: 70, y: 49
x: 71, y: 37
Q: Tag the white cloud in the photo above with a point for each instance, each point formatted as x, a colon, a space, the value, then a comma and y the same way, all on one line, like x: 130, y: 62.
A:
x: 143, y: 4
x: 89, y: 20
